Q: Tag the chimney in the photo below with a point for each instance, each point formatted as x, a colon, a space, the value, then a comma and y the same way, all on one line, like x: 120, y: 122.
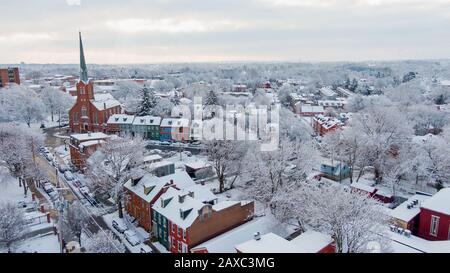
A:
x: 181, y: 198
x: 257, y: 236
x: 171, y: 182
x: 191, y: 194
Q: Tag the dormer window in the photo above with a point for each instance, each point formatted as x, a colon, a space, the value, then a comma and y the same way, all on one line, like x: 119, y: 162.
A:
x: 142, y: 120
x: 151, y: 121
x: 82, y: 90
x: 170, y: 122
x: 117, y: 119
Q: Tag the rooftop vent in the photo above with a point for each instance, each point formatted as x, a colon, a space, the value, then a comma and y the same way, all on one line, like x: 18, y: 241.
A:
x: 257, y: 236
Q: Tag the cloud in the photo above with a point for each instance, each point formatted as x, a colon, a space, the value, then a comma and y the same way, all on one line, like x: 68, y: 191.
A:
x: 25, y: 37
x: 73, y: 2
x: 343, y: 3
x: 170, y: 25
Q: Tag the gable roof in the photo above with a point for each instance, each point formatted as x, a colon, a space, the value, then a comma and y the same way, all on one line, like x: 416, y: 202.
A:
x: 147, y: 120
x: 101, y: 101
x: 440, y: 202
x: 120, y: 119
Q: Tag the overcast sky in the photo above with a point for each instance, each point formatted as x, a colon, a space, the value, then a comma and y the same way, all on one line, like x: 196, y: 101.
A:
x: 153, y: 31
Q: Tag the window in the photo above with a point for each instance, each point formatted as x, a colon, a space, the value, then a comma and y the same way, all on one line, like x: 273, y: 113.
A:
x: 81, y: 90
x: 174, y: 228
x: 179, y: 246
x: 83, y: 111
x: 184, y: 234
x: 75, y: 117
x: 95, y: 118
x: 179, y: 232
x: 174, y: 243
x: 434, y: 225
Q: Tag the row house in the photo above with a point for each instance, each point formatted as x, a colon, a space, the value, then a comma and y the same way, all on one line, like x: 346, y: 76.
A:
x: 334, y: 170
x: 148, y: 127
x: 84, y: 145
x: 183, y: 219
x: 174, y: 129
x: 91, y: 111
x: 323, y: 125
x: 142, y: 191
x: 120, y: 123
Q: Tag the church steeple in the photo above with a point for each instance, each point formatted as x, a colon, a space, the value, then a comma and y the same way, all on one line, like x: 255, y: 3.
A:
x: 83, y: 68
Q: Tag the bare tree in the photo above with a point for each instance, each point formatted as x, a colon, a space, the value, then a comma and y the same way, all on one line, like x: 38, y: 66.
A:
x: 110, y: 166
x: 104, y: 242
x: 12, y: 224
x: 75, y: 219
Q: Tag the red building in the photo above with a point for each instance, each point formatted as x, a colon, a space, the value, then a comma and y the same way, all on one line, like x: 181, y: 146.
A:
x: 434, y: 220
x: 323, y: 125
x: 9, y: 76
x: 91, y: 111
x: 84, y: 145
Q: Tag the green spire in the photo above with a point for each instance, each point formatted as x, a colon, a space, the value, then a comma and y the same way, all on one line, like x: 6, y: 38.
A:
x: 83, y: 68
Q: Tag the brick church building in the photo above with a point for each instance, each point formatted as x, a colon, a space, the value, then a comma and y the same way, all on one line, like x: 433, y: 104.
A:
x: 91, y: 111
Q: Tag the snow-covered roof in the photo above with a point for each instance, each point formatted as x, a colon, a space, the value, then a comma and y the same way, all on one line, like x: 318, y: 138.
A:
x: 224, y: 204
x: 147, y: 120
x: 201, y: 193
x: 335, y: 103
x: 175, y: 122
x: 363, y: 187
x: 327, y: 91
x: 327, y: 122
x: 445, y: 82
x: 440, y: 202
x: 91, y: 143
x: 305, y: 108
x: 226, y: 242
x: 147, y: 181
x: 196, y: 165
x: 312, y: 241
x: 420, y: 244
x: 120, y: 119
x: 269, y: 243
x: 180, y: 178
x: 402, y: 212
x: 101, y: 101
x: 89, y: 136
x: 173, y: 208
x: 151, y: 158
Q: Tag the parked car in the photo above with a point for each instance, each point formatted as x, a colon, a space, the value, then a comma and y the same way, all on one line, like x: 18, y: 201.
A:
x: 165, y: 143
x: 53, y: 195
x: 49, y: 156
x: 69, y: 176
x: 48, y: 187
x: 131, y: 237
x: 77, y: 183
x: 22, y: 204
x: 63, y: 168
x: 119, y: 225
x: 146, y: 249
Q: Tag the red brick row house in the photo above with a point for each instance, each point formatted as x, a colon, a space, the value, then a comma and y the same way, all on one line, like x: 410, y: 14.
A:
x: 184, y: 219
x: 141, y: 193
x: 91, y: 111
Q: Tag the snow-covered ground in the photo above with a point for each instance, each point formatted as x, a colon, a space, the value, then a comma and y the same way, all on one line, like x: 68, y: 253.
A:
x: 45, y: 243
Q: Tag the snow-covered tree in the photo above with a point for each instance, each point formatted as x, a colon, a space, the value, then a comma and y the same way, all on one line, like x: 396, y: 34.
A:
x: 225, y: 157
x: 148, y: 102
x: 12, y: 224
x: 110, y: 166
x: 20, y: 104
x: 75, y: 219
x: 56, y: 101
x: 352, y: 219
x: 277, y: 171
x: 211, y: 98
x: 104, y: 242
